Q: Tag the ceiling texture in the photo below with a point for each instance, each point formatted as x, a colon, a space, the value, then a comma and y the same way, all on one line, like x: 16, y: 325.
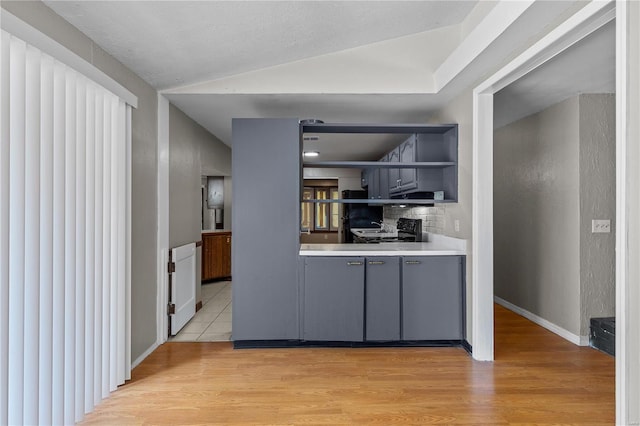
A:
x: 338, y: 61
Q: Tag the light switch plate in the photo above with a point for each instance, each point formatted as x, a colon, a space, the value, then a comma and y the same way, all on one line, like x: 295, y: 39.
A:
x: 600, y: 226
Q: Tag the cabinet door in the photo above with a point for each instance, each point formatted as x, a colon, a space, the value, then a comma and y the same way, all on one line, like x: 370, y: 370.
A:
x: 334, y: 299
x: 207, y: 258
x: 383, y: 180
x: 382, y: 320
x: 432, y: 298
x: 407, y: 155
x: 374, y: 184
x: 226, y: 256
x: 364, y: 178
x: 394, y: 174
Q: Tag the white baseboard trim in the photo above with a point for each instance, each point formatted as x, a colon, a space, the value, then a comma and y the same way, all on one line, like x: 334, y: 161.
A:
x: 145, y: 354
x: 565, y: 334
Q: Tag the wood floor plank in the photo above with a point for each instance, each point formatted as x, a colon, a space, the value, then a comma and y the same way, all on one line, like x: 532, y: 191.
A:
x: 536, y: 378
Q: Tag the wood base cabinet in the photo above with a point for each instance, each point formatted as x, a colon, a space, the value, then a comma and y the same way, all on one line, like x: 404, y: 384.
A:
x: 216, y: 255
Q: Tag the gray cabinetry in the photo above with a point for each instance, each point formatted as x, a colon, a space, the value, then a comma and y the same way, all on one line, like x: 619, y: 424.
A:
x: 432, y: 298
x: 265, y: 157
x: 408, y: 155
x: 394, y: 174
x: 382, y: 300
x: 436, y: 157
x: 334, y: 299
x: 383, y: 179
x: 364, y: 178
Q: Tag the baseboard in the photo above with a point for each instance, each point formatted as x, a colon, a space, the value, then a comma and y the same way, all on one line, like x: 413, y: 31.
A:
x: 145, y: 354
x: 198, y: 306
x: 554, y: 328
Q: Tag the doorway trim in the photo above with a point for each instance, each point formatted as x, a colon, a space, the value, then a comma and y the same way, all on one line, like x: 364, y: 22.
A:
x: 584, y: 22
x: 593, y: 16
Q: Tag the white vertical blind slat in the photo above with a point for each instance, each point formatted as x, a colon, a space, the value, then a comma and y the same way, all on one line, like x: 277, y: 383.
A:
x: 127, y: 190
x: 59, y: 125
x: 106, y: 241
x: 46, y: 242
x: 122, y: 232
x: 64, y: 267
x: 32, y: 235
x: 99, y: 246
x: 81, y: 200
x: 90, y: 232
x: 70, y: 248
x: 113, y: 284
x: 4, y: 227
x: 16, y: 230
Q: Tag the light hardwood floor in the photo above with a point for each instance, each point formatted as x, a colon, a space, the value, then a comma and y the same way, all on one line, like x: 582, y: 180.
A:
x: 537, y: 378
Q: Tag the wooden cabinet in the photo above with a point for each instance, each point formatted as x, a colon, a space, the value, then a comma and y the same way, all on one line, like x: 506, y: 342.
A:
x: 216, y: 255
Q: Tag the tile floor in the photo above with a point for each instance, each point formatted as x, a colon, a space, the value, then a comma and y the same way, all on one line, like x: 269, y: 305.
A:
x: 212, y: 323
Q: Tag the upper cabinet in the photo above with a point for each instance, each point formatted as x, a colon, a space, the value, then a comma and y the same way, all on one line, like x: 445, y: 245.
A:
x: 422, y: 169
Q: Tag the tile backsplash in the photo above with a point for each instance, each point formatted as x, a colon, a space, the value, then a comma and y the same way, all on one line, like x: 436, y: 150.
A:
x: 432, y: 217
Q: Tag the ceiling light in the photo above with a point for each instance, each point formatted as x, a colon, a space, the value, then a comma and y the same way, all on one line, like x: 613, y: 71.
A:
x: 311, y: 153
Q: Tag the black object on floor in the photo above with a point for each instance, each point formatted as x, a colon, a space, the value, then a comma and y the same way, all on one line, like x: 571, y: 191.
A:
x: 603, y: 334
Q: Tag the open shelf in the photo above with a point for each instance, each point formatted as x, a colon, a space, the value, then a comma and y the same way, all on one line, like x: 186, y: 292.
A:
x: 380, y: 201
x: 380, y: 164
x: 377, y: 128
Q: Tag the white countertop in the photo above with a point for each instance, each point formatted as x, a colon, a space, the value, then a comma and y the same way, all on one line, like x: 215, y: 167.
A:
x: 439, y: 245
x: 213, y: 231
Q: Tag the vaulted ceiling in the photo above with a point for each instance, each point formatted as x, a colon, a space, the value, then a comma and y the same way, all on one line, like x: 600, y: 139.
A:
x: 339, y: 61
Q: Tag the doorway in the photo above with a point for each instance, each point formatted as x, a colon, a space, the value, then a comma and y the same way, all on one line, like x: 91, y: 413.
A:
x: 588, y: 19
x: 554, y: 184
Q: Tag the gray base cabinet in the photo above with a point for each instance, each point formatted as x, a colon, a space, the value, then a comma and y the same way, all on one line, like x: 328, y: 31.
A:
x: 432, y: 299
x: 382, y: 299
x: 334, y: 299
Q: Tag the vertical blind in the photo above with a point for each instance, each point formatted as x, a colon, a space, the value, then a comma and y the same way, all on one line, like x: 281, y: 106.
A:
x: 64, y: 272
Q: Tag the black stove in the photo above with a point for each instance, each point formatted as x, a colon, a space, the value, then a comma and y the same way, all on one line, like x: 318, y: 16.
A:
x: 409, y: 230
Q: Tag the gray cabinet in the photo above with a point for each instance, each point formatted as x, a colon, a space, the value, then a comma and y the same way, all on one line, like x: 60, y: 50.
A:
x: 382, y: 300
x: 265, y: 155
x: 408, y: 155
x: 437, y: 157
x: 432, y: 299
x: 364, y: 178
x: 394, y: 174
x: 334, y: 299
x: 383, y: 179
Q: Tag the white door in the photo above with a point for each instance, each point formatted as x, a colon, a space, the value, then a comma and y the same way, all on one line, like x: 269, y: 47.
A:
x: 183, y: 286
